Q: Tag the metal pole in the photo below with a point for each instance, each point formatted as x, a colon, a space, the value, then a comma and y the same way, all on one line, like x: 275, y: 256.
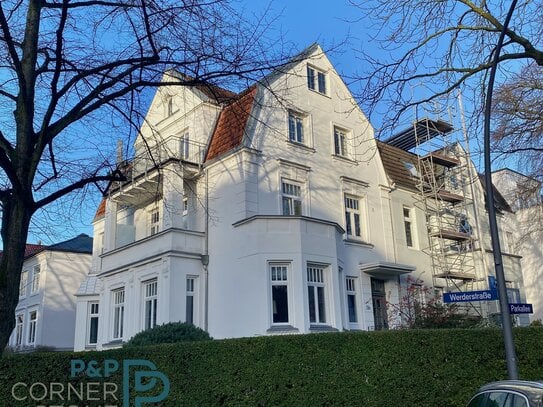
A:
x: 510, y: 353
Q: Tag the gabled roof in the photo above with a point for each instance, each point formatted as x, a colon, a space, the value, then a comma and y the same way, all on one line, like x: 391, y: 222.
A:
x: 231, y: 124
x: 214, y: 92
x: 394, y: 160
x: 79, y: 244
x: 499, y: 201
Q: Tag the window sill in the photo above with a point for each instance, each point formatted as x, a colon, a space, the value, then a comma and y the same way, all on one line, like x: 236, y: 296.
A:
x: 356, y: 242
x: 301, y: 146
x: 322, y: 328
x: 344, y: 159
x: 280, y: 329
x: 319, y: 93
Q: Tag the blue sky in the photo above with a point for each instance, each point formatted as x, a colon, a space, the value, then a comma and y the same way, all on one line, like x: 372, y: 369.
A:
x: 298, y: 22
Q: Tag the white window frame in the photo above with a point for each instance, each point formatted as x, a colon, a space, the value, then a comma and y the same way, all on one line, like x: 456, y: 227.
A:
x: 353, y: 206
x: 351, y: 291
x: 278, y: 273
x: 150, y: 304
x: 154, y: 221
x: 408, y: 224
x: 317, y: 80
x: 118, y: 298
x: 36, y: 275
x: 185, y: 206
x: 18, y: 339
x: 32, y: 328
x: 93, y: 314
x: 316, y: 289
x: 291, y: 193
x: 184, y: 146
x: 340, y: 142
x: 23, y: 284
x: 297, y: 127
x: 191, y: 284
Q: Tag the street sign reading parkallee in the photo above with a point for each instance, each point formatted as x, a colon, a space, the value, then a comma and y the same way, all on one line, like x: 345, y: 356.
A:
x: 521, y: 309
x: 469, y: 296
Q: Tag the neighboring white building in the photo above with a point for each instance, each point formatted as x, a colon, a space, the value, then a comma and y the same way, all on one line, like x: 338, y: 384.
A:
x: 443, y: 215
x: 45, y: 314
x: 523, y: 194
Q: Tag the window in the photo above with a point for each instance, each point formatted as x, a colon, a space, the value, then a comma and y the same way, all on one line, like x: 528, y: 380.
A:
x: 150, y: 303
x: 407, y: 222
x: 509, y: 242
x: 291, y: 199
x: 185, y: 146
x: 36, y: 279
x: 19, y: 321
x: 350, y: 283
x: 340, y: 142
x: 411, y: 168
x: 295, y: 127
x: 352, y: 216
x: 189, y: 308
x: 169, y: 105
x: 23, y: 283
x: 316, y: 294
x: 118, y: 313
x: 32, y: 321
x: 154, y: 221
x: 185, y: 206
x: 279, y: 292
x: 316, y: 80
x: 92, y: 328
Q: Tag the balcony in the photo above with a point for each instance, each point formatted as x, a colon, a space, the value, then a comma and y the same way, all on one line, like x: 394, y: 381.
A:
x: 171, y: 240
x: 143, y: 175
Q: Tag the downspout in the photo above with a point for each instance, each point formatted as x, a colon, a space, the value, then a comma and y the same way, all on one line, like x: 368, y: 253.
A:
x: 205, y: 256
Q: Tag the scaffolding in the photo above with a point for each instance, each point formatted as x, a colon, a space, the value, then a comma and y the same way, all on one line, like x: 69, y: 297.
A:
x: 446, y: 195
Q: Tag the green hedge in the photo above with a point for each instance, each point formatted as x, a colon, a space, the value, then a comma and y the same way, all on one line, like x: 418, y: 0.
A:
x: 397, y: 368
x: 172, y: 332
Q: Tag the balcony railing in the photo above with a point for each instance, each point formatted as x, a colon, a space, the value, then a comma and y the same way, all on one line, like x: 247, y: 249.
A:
x: 176, y: 148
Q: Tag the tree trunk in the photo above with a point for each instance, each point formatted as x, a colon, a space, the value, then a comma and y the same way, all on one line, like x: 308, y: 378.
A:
x: 15, y: 224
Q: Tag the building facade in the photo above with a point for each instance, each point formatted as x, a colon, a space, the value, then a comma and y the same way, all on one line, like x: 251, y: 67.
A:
x: 264, y: 212
x: 45, y: 314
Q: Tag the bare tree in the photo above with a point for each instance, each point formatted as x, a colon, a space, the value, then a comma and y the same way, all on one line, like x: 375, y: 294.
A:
x: 444, y: 45
x: 518, y: 114
x: 73, y: 71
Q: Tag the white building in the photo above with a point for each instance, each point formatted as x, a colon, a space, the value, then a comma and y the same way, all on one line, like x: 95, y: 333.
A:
x: 438, y: 206
x: 266, y: 212
x: 523, y: 194
x: 45, y: 314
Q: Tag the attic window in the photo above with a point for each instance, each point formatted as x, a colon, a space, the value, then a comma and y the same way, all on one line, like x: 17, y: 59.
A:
x: 411, y: 168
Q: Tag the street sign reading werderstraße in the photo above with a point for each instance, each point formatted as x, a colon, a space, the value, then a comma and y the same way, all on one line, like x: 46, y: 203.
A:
x: 469, y: 296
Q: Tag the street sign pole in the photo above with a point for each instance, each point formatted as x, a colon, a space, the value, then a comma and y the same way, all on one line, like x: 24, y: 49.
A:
x: 510, y: 353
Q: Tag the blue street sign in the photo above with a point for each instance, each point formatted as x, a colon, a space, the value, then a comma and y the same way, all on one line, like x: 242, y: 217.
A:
x: 492, y: 283
x: 469, y: 296
x: 521, y: 309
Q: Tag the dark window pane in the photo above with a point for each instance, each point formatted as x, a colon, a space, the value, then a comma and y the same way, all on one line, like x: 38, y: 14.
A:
x: 322, y: 311
x: 351, y: 304
x: 322, y: 82
x: 311, y: 296
x: 357, y: 224
x: 310, y: 78
x: 189, y: 318
x: 280, y: 303
x: 348, y: 223
x: 286, y: 206
x: 93, y: 331
x: 297, y: 208
x: 408, y: 234
x: 479, y: 401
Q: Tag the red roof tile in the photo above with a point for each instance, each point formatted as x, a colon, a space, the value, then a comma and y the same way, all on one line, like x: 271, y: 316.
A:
x: 31, y: 250
x: 231, y: 125
x: 101, y: 211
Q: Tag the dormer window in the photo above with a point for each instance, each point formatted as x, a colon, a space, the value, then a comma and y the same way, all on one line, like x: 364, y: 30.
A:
x: 316, y: 80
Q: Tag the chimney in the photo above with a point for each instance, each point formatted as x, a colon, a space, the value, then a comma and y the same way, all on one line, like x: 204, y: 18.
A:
x: 119, y: 151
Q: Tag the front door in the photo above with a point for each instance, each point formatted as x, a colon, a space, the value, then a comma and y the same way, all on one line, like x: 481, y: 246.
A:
x: 378, y: 299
